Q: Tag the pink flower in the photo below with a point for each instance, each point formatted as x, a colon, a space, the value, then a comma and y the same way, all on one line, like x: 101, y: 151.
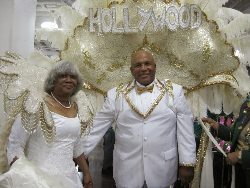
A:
x: 222, y: 120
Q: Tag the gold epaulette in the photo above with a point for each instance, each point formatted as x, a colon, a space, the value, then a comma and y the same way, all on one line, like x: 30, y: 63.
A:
x: 169, y: 87
x: 122, y: 88
x: 119, y: 89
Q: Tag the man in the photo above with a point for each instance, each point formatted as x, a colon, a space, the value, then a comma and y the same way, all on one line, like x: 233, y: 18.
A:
x: 154, y: 129
x: 239, y: 137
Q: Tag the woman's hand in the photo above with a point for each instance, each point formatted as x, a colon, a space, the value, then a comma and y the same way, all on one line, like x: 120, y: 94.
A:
x: 82, y: 163
x: 213, y: 124
x: 87, y: 180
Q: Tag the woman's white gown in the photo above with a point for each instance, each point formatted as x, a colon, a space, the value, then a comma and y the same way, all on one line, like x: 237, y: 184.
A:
x: 44, y: 165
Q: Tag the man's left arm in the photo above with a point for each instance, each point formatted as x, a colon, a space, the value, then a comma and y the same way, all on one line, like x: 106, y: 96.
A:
x: 242, y: 157
x: 185, y: 137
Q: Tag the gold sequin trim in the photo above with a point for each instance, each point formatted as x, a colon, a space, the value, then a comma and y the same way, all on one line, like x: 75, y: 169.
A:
x: 86, y: 126
x: 48, y: 130
x: 200, y: 160
x: 119, y: 90
x: 187, y: 164
x: 115, y: 66
x: 12, y: 55
x: 87, y: 60
x: 14, y: 106
x: 151, y: 47
x: 29, y: 121
x: 169, y: 88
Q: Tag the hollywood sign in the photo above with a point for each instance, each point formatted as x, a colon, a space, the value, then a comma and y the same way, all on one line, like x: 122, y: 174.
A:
x: 172, y: 17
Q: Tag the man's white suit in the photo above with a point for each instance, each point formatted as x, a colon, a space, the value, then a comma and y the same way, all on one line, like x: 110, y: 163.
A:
x: 146, y: 149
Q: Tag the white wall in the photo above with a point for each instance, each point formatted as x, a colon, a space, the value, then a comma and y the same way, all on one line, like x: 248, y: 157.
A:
x: 17, y: 26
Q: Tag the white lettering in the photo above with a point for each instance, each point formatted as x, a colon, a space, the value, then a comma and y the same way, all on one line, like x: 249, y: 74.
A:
x: 172, y: 17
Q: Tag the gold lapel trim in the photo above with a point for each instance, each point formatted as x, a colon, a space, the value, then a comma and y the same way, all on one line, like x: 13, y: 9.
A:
x: 155, y: 103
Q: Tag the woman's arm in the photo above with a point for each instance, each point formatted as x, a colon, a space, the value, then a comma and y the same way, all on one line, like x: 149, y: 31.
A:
x: 17, y: 141
x: 81, y: 161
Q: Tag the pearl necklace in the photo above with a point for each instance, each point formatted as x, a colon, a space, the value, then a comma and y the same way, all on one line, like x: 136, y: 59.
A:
x: 67, y: 107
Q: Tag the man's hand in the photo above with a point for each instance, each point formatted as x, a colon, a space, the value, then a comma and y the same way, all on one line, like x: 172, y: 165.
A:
x: 213, y: 124
x: 232, y: 158
x: 186, y: 174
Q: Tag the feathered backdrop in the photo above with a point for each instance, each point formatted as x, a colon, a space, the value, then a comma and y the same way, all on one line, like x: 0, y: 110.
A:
x: 209, y: 61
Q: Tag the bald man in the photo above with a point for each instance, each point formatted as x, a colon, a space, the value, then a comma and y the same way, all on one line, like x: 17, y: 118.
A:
x: 154, y: 137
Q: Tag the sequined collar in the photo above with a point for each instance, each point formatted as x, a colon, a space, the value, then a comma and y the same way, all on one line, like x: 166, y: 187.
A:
x: 44, y: 116
x: 131, y: 86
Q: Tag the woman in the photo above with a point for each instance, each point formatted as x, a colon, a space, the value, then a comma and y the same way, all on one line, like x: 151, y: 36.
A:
x: 52, y: 147
x: 239, y: 135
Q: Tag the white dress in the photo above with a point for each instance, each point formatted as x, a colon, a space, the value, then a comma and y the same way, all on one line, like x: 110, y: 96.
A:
x: 47, y: 165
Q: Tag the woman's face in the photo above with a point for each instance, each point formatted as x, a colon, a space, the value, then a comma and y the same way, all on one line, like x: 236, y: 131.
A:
x: 65, y: 84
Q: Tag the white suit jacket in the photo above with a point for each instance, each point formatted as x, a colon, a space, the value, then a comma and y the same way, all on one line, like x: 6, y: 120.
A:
x: 146, y: 148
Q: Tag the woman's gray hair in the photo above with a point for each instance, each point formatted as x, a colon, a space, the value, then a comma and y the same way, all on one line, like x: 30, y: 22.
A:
x: 61, y: 68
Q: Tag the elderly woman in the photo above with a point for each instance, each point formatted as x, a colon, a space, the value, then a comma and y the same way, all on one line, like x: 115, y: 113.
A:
x: 239, y: 135
x: 53, y: 147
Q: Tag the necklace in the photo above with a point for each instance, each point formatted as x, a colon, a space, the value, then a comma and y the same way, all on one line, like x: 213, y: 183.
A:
x: 67, y: 107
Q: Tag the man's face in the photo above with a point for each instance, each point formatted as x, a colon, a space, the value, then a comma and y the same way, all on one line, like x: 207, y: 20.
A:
x: 143, y: 67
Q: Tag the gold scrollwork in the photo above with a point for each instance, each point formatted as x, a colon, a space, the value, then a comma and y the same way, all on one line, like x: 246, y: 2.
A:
x: 174, y: 61
x: 87, y: 59
x: 206, y: 52
x: 102, y: 77
x: 116, y: 66
x: 148, y: 46
x: 93, y: 88
x: 170, y: 1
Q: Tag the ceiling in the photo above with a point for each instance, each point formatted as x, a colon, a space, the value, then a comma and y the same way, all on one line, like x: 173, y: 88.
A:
x: 46, y: 8
x: 44, y: 13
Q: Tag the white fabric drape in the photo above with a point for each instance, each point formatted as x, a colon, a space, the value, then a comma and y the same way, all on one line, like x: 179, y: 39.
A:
x: 207, y: 180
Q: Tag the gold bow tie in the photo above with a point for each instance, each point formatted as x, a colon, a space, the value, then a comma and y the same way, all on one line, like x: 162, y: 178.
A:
x: 141, y: 90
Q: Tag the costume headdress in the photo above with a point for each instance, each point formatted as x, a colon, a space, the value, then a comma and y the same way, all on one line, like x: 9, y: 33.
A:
x: 208, y: 61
